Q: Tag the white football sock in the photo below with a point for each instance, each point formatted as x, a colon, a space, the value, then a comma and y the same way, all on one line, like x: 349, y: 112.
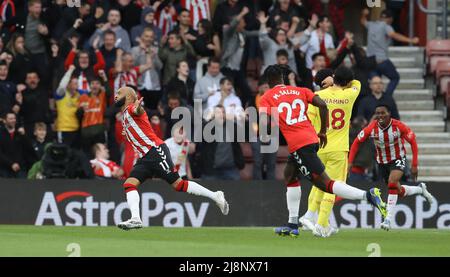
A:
x: 197, y: 189
x: 293, y: 196
x: 391, y: 202
x: 133, y: 203
x: 348, y: 192
x: 412, y: 190
x: 310, y: 215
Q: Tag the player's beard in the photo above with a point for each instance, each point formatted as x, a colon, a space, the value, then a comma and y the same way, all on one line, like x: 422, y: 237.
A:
x: 120, y: 102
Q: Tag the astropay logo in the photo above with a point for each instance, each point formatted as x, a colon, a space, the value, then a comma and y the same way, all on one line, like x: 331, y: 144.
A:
x: 65, y: 209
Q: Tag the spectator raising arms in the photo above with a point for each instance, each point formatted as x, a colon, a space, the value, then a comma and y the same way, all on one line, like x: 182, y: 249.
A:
x: 209, y: 84
x: 84, y: 71
x: 123, y: 40
x: 91, y: 110
x: 176, y: 49
x: 379, y: 35
x: 67, y: 98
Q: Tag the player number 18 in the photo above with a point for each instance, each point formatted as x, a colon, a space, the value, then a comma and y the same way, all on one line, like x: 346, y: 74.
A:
x: 337, y: 119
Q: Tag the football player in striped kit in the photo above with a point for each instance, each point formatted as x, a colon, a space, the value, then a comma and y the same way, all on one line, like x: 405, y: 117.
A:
x: 389, y: 135
x: 154, y: 159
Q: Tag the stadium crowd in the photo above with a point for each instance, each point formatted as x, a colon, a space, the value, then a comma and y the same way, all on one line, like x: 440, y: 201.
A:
x: 60, y: 67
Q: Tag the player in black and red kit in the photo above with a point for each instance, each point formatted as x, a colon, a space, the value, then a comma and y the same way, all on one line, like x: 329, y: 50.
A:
x: 389, y: 137
x: 154, y: 159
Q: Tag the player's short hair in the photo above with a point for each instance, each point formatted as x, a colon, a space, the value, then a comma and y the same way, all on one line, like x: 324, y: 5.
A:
x: 274, y: 75
x: 343, y: 75
x: 382, y: 104
x: 173, y: 95
x: 322, y: 75
x: 282, y: 52
x: 224, y: 79
x: 40, y: 125
x: 316, y: 55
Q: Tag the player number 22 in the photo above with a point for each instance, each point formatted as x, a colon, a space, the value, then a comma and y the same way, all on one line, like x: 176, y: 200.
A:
x: 289, y: 107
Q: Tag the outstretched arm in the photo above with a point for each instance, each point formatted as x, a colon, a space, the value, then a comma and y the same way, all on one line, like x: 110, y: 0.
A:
x: 138, y: 109
x: 410, y: 137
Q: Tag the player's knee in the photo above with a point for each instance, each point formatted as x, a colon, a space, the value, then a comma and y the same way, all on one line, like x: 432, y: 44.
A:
x: 181, y: 185
x: 394, y: 188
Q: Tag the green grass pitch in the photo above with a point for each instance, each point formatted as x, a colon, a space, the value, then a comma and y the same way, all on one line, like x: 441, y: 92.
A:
x: 21, y: 240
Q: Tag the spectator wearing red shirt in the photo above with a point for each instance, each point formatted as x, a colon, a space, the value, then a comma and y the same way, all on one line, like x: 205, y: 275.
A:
x: 102, y: 166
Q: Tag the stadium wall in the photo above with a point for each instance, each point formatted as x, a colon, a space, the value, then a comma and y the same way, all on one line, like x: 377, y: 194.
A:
x: 262, y: 203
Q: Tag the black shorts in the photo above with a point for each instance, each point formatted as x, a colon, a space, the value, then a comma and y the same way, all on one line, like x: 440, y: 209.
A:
x: 156, y: 163
x: 385, y: 169
x: 306, y: 161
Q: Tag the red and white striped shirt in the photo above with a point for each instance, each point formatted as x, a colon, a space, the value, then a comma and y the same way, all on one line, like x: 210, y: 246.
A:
x: 139, y: 132
x: 127, y: 78
x: 199, y: 10
x: 389, y: 141
x: 166, y: 20
x: 104, y: 168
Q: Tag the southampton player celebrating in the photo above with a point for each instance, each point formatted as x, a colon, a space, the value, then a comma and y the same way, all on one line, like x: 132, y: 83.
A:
x: 290, y: 105
x: 339, y: 94
x: 389, y: 136
x: 154, y: 159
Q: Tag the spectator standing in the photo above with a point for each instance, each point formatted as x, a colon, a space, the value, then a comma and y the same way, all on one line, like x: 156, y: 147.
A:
x: 16, y: 152
x: 227, y: 99
x: 35, y: 102
x: 84, y: 71
x: 8, y: 91
x: 224, y: 13
x: 102, y: 166
x: 206, y: 45
x: 234, y: 37
x: 125, y: 73
x: 176, y: 49
x: 221, y: 160
x: 91, y: 110
x: 369, y: 103
x: 21, y: 63
x: 209, y: 84
x: 122, y: 38
x: 149, y: 83
x: 129, y: 12
x: 270, y: 44
x: 36, y: 33
x: 262, y: 162
x: 67, y: 98
x: 320, y: 40
x: 147, y: 21
x: 181, y: 84
x: 379, y: 36
x: 109, y: 49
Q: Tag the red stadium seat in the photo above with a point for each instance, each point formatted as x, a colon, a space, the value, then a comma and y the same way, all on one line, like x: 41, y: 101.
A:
x: 247, y: 172
x: 436, y: 50
x: 443, y: 75
x: 282, y: 154
x: 246, y: 151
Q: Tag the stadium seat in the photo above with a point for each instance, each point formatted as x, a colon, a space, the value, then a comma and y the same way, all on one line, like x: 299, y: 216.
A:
x: 443, y: 75
x: 437, y: 50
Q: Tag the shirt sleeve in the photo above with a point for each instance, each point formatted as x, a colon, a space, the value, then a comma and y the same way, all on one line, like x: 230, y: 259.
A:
x: 309, y: 95
x: 410, y: 137
x: 388, y: 29
x: 354, y: 90
x: 130, y: 109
